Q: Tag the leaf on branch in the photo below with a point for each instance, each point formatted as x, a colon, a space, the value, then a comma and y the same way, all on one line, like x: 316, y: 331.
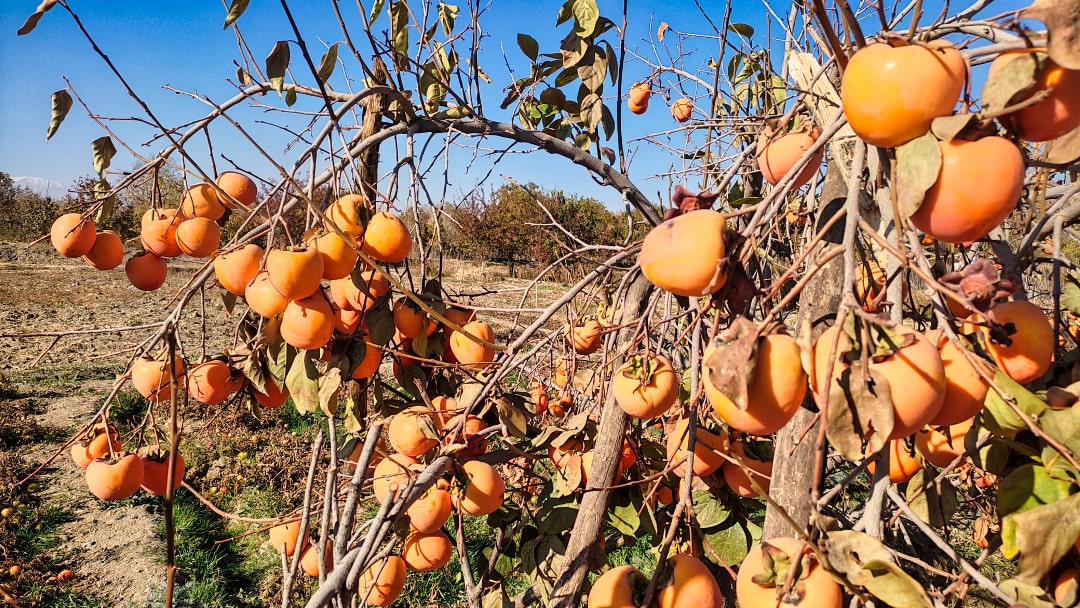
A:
x: 103, y: 194
x: 709, y: 509
x: 1011, y: 79
x: 254, y: 369
x: 236, y: 8
x: 1062, y: 19
x: 290, y: 96
x: 276, y: 64
x: 447, y: 15
x: 1065, y: 149
x: 572, y: 50
x: 61, y: 104
x: 623, y: 512
x: 731, y: 364
x: 529, y: 46
x: 32, y: 21
x: 376, y: 10
x: 513, y: 417
x: 946, y: 128
x: 661, y: 30
x: 936, y: 504
x: 103, y: 150
x: 918, y: 164
x: 328, y: 63
x: 1029, y: 487
x: 592, y: 111
x: 586, y: 15
x: 742, y: 29
x: 867, y: 563
x: 1064, y: 427
x: 1041, y: 537
x: 998, y: 415
x: 399, y: 28
x: 329, y: 390
x: 302, y: 380
x: 1026, y: 594
x: 730, y: 543
x: 860, y: 407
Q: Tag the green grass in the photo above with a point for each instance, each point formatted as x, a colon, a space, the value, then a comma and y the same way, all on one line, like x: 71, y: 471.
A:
x: 49, y: 595
x: 38, y: 534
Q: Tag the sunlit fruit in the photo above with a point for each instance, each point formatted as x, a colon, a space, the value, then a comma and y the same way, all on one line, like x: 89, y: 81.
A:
x: 484, y: 493
x: 102, y: 445
x: 774, y: 393
x: 684, y: 254
x: 777, y: 154
x: 410, y: 320
x: 294, y: 273
x: 152, y: 377
x: 115, y: 479
x: 72, y: 235
x: 758, y: 585
x: 941, y: 445
x: 156, y: 471
x: 273, y: 397
x: 915, y: 374
x: 965, y: 390
x: 431, y: 511
x: 903, y: 465
x: 347, y: 294
x: 424, y: 552
x: 645, y: 386
x: 209, y: 382
x: 146, y: 271
x: 382, y: 582
x: 692, y: 585
x: 708, y: 448
x: 890, y: 95
x: 309, y: 558
x: 235, y: 269
x: 201, y: 200
x: 107, y: 252
x: 978, y: 185
x: 79, y: 454
x: 391, y: 475
x: 158, y: 236
x: 386, y: 238
x: 1053, y: 116
x: 615, y: 588
x: 308, y: 323
x: 738, y: 480
x: 339, y: 257
x: 470, y: 353
x: 198, y: 237
x: 638, y: 100
x: 682, y: 109
x: 585, y: 338
x: 286, y: 535
x: 475, y: 444
x: 261, y: 296
x: 369, y: 364
x: 414, y: 430
x: 344, y: 213
x: 239, y: 187
x: 1026, y: 354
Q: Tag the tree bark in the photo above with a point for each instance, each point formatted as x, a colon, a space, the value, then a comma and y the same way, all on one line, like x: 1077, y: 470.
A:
x: 793, y: 464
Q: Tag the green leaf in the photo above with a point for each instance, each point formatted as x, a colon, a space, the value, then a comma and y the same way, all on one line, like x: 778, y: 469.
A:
x: 936, y: 504
x: 1029, y: 487
x: 529, y: 46
x: 399, y: 29
x: 103, y: 150
x: 1070, y: 297
x: 276, y: 64
x: 918, y: 164
x: 32, y: 21
x: 376, y: 10
x: 1040, y: 536
x: 1011, y: 80
x: 1064, y: 427
x: 328, y: 63
x: 889, y: 583
x: 742, y: 29
x: 447, y: 14
x: 290, y: 96
x: 103, y: 195
x: 709, y: 509
x: 730, y: 543
x: 572, y: 50
x: 998, y: 415
x: 514, y: 418
x: 236, y: 8
x: 302, y: 380
x: 623, y: 512
x: 61, y: 104
x: 585, y: 16
x: 1026, y: 594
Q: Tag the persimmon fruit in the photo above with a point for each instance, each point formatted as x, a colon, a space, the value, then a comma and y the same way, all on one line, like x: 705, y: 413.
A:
x: 638, y: 100
x: 382, y: 582
x: 965, y: 390
x: 615, y: 588
x: 692, y: 585
x: 708, y: 448
x: 774, y: 394
x: 235, y: 269
x: 682, y: 109
x: 684, y: 254
x: 287, y: 535
x: 344, y: 213
x: 1052, y: 117
x: 386, y: 238
x: 1030, y: 350
x: 198, y: 237
x: 890, y: 95
x: 941, y: 445
x: 816, y: 587
x: 107, y: 252
x: 391, y: 475
x: 903, y: 465
x: 261, y: 296
x: 295, y: 273
x: 338, y: 255
x: 425, y: 552
x: 414, y: 430
x: 585, y: 338
x: 156, y: 471
x: 201, y: 200
x: 146, y: 271
x: 71, y: 235
x: 158, y: 236
x: 431, y: 511
x: 475, y: 444
x: 115, y: 479
x: 369, y: 364
x: 469, y: 353
x: 152, y: 377
x: 274, y: 397
x: 645, y: 386
x: 777, y: 154
x: 238, y: 187
x: 484, y: 492
x: 738, y: 480
x: 209, y: 382
x: 308, y: 323
x: 309, y: 559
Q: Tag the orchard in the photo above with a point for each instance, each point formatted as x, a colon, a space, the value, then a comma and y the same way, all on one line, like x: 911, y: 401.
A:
x: 832, y: 362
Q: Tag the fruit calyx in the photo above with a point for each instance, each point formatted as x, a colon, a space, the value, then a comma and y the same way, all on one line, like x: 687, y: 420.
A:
x: 981, y: 283
x: 686, y: 201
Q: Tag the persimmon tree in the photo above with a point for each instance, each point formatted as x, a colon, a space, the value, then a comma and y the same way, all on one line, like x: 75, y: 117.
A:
x: 858, y: 285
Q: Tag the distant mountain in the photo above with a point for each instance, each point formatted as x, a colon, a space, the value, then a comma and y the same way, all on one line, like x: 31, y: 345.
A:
x: 41, y: 186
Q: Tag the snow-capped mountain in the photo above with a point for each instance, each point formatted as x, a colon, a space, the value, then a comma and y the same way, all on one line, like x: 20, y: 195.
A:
x: 41, y: 186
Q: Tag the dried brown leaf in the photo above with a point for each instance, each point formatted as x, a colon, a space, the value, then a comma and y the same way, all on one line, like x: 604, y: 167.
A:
x: 1062, y: 19
x: 731, y: 364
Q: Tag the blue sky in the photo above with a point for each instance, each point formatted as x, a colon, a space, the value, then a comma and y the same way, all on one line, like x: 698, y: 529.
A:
x: 183, y: 45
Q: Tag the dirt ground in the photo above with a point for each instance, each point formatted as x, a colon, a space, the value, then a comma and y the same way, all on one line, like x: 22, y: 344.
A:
x: 113, y: 550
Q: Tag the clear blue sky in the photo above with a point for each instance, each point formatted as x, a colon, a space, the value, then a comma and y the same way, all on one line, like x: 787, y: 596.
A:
x: 182, y: 44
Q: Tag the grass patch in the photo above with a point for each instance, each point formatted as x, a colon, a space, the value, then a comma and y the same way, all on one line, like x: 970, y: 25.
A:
x: 66, y: 374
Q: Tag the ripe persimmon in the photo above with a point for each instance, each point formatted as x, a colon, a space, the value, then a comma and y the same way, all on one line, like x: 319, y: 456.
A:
x: 309, y: 558
x: 615, y: 588
x: 758, y: 585
x: 431, y: 511
x: 102, y: 444
x: 682, y: 109
x: 684, y: 254
x: 424, y: 552
x: 414, y: 430
x: 339, y: 257
x: 308, y: 323
x: 692, y: 585
x: 238, y: 187
x: 115, y: 479
x: 708, y: 447
x: 156, y: 471
x: 774, y: 394
x: 903, y: 465
x: 345, y: 214
x: 890, y: 95
x: 274, y: 397
x: 645, y: 386
x: 286, y: 535
x: 391, y: 475
x: 978, y: 185
x: 484, y: 492
x: 158, y: 236
x: 346, y: 320
x: 941, y: 445
x: 459, y: 316
x: 1053, y: 116
x: 777, y: 154
x: 870, y: 283
x: 1026, y: 354
x: 915, y: 374
x: 209, y: 382
x: 72, y: 235
x: 585, y: 338
x: 152, y: 377
x: 294, y: 273
x: 410, y: 320
x: 347, y: 294
x: 79, y: 454
x: 201, y: 200
x: 738, y: 480
x: 107, y: 252
x: 468, y: 353
x: 369, y: 365
x: 261, y: 296
x: 146, y: 271
x: 235, y: 269
x: 198, y: 237
x: 638, y: 99
x: 965, y: 390
x: 382, y: 582
x: 386, y: 238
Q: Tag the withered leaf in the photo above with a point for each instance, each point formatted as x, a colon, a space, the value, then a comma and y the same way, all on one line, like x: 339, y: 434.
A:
x: 918, y: 164
x: 860, y: 407
x: 1065, y: 149
x: 731, y: 364
x: 1062, y: 19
